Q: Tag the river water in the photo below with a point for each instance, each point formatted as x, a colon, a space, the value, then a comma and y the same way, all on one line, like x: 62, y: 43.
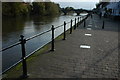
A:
x: 28, y: 26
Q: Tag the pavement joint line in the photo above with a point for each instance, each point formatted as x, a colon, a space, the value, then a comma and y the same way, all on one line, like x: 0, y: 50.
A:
x: 85, y: 46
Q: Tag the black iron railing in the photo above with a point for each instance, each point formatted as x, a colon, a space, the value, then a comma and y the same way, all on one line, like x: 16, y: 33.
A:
x: 23, y: 41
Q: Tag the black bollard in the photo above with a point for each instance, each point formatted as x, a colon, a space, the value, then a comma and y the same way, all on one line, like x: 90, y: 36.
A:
x: 103, y: 25
x: 64, y: 31
x: 75, y: 24
x: 52, y: 45
x: 100, y: 15
x: 84, y: 23
x: 71, y: 27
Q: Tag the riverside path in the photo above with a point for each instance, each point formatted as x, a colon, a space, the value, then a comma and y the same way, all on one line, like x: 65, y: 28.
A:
x: 89, y: 52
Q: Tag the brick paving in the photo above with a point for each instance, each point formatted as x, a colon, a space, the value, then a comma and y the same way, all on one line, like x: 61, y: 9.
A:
x: 70, y: 61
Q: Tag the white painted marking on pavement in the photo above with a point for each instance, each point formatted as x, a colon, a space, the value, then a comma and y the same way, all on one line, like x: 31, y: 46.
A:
x: 88, y: 34
x: 84, y: 46
x: 90, y: 25
x: 89, y: 29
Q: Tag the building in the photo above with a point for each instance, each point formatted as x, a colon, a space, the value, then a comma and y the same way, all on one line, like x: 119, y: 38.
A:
x: 113, y: 8
x: 109, y: 9
x: 101, y: 8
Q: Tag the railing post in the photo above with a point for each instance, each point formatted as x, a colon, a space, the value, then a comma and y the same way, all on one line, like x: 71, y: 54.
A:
x: 52, y: 45
x: 103, y: 25
x: 23, y: 41
x: 91, y: 15
x: 71, y: 27
x: 84, y: 23
x: 75, y: 24
x: 64, y: 31
x: 80, y: 19
x: 78, y: 22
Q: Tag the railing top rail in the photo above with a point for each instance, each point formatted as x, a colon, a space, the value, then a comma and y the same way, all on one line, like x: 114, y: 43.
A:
x: 13, y: 45
x: 59, y: 26
x: 68, y: 22
x: 27, y: 39
x: 17, y: 43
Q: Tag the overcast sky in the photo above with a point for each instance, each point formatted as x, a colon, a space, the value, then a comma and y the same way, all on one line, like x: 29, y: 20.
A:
x: 75, y: 0
x: 78, y: 4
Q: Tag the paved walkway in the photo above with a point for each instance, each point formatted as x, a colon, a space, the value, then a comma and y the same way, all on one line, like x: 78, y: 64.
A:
x: 70, y: 61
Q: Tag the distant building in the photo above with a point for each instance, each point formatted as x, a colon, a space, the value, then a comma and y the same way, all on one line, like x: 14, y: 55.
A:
x: 109, y: 9
x: 101, y: 8
x: 113, y: 8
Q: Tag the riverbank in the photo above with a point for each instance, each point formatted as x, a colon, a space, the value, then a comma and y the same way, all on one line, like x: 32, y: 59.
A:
x: 40, y: 51
x: 13, y: 28
x: 30, y: 60
x: 71, y: 60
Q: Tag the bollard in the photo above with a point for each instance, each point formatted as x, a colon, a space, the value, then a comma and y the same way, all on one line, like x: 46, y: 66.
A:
x: 23, y: 41
x: 75, y: 24
x: 52, y: 45
x: 64, y: 31
x: 100, y: 15
x: 103, y: 25
x: 84, y: 23
x: 71, y: 27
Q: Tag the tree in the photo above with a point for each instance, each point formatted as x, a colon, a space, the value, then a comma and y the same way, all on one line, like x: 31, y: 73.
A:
x: 14, y: 8
x: 38, y: 8
x: 69, y: 8
x: 52, y: 8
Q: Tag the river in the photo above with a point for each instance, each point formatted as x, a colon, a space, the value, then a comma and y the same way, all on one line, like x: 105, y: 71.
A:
x: 28, y: 26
